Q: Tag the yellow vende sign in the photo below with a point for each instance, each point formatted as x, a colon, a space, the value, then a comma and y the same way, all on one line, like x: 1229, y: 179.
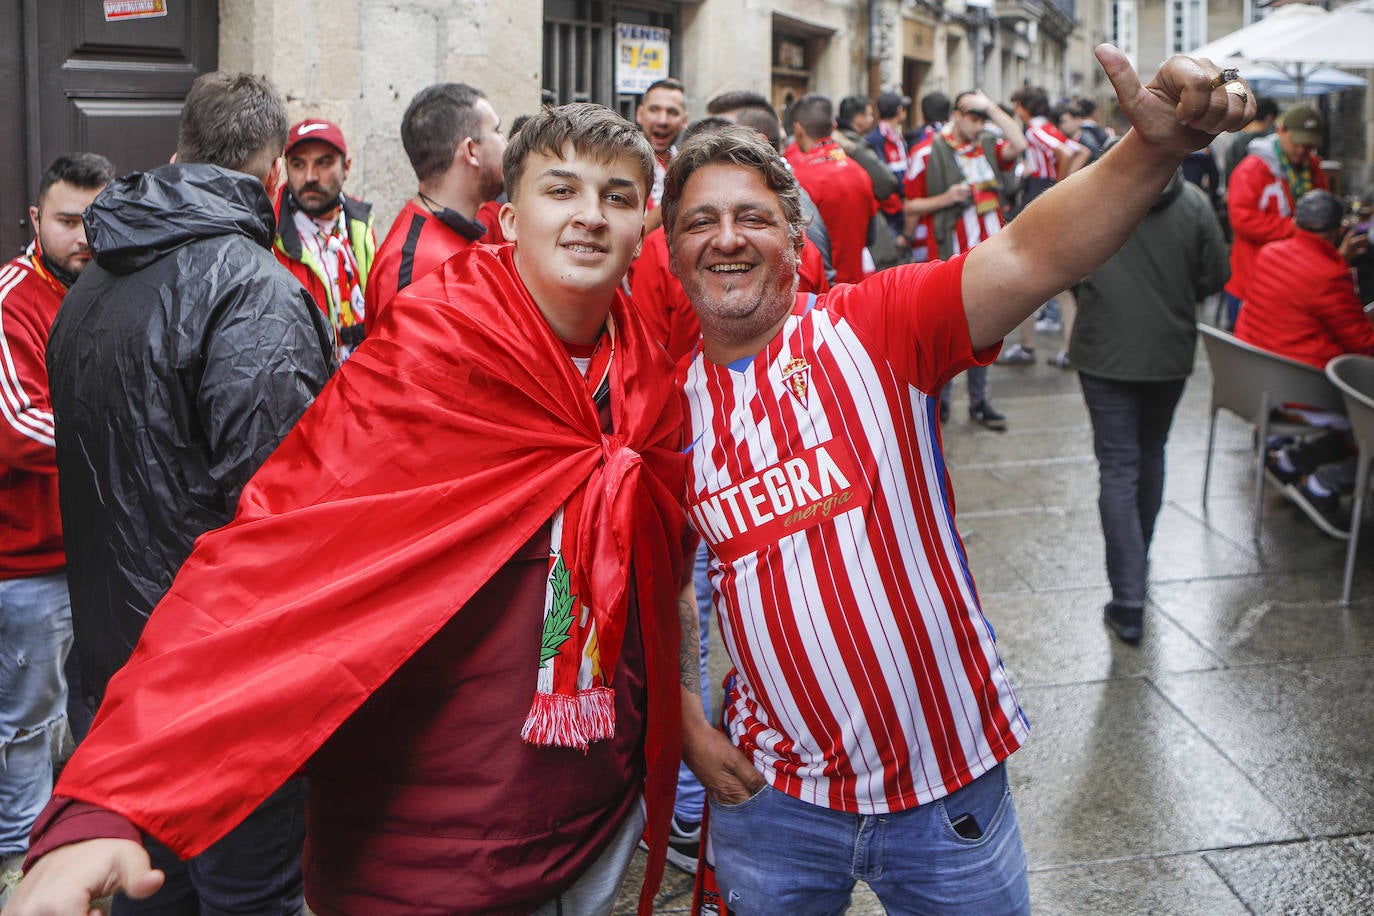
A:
x: 641, y: 56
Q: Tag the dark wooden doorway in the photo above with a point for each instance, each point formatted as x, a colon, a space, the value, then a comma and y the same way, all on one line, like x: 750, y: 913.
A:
x: 70, y: 81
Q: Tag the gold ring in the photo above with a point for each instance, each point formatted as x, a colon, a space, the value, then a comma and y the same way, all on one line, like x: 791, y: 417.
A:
x: 1237, y: 90
x: 1229, y: 75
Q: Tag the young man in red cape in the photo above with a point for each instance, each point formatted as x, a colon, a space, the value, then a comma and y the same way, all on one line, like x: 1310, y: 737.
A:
x: 447, y: 598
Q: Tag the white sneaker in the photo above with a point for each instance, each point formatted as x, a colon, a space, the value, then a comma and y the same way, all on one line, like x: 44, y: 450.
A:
x: 1017, y: 355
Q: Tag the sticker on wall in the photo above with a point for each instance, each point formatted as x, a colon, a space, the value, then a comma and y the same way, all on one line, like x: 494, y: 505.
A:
x: 117, y: 10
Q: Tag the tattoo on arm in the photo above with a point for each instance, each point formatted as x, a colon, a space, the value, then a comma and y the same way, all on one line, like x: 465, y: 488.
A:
x: 689, y: 658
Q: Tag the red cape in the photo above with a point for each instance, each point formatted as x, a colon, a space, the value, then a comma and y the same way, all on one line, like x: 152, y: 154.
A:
x: 447, y: 439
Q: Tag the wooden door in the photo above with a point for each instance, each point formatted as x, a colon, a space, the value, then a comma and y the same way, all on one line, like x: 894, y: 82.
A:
x: 113, y: 88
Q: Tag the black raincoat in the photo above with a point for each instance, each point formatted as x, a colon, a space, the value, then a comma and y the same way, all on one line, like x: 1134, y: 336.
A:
x: 178, y: 361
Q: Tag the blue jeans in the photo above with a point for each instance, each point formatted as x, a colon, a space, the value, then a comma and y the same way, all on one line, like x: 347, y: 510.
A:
x: 1130, y: 428
x: 254, y: 870
x: 691, y: 797
x: 1232, y: 309
x: 776, y: 854
x: 35, y: 637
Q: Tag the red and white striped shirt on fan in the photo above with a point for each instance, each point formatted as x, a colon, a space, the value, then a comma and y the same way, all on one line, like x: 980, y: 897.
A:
x: 1042, y: 139
x: 982, y: 215
x: 866, y: 678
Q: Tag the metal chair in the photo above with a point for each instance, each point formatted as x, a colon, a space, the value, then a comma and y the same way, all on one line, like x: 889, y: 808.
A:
x: 1250, y: 383
x: 1353, y: 375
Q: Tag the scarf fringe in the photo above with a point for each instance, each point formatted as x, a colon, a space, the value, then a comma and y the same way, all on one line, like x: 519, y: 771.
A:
x: 563, y: 720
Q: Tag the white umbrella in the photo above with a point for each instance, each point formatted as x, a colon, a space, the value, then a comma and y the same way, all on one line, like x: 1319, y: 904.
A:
x: 1343, y: 38
x: 1284, y: 20
x: 1270, y: 81
x: 1274, y: 73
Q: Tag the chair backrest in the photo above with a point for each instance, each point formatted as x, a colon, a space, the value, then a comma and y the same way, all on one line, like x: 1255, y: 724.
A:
x: 1353, y: 375
x: 1242, y: 373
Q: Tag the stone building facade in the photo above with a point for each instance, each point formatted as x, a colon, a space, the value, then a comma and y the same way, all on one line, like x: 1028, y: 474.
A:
x: 72, y: 79
x: 358, y: 62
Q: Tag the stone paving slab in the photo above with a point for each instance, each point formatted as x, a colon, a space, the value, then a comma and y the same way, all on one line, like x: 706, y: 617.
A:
x: 1186, y: 548
x: 1270, y: 618
x: 1170, y: 885
x: 1112, y: 770
x: 1016, y: 486
x: 1048, y: 638
x: 1053, y: 548
x: 1324, y: 877
x: 1301, y: 733
x: 992, y: 572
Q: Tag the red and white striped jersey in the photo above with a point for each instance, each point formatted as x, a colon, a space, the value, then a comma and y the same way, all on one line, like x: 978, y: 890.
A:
x: 1042, y: 139
x: 866, y: 679
x: 982, y: 216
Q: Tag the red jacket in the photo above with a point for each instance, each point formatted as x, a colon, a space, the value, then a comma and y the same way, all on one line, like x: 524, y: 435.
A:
x: 489, y: 215
x: 30, y: 525
x: 843, y: 193
x: 415, y: 244
x: 1259, y: 205
x: 1302, y: 303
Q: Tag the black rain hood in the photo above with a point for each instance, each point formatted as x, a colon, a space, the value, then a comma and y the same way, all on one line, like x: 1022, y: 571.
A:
x: 145, y: 215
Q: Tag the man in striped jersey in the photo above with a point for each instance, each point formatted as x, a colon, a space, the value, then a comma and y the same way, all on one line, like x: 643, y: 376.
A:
x: 952, y: 189
x: 1050, y: 157
x: 35, y: 613
x: 869, y: 713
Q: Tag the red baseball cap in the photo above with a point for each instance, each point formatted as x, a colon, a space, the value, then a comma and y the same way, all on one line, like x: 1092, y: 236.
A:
x: 316, y: 129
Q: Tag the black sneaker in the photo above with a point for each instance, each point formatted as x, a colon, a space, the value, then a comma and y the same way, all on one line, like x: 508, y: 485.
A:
x: 1128, y: 623
x: 984, y: 414
x: 684, y: 844
x: 1324, y: 510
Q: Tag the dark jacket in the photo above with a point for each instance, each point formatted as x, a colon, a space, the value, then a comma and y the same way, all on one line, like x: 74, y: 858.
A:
x: 1137, y: 313
x: 177, y: 362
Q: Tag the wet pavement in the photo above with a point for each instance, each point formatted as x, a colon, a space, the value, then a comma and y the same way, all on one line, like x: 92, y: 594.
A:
x: 1226, y: 765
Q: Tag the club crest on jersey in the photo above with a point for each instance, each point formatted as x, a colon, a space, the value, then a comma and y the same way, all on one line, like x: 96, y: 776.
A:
x: 796, y: 375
